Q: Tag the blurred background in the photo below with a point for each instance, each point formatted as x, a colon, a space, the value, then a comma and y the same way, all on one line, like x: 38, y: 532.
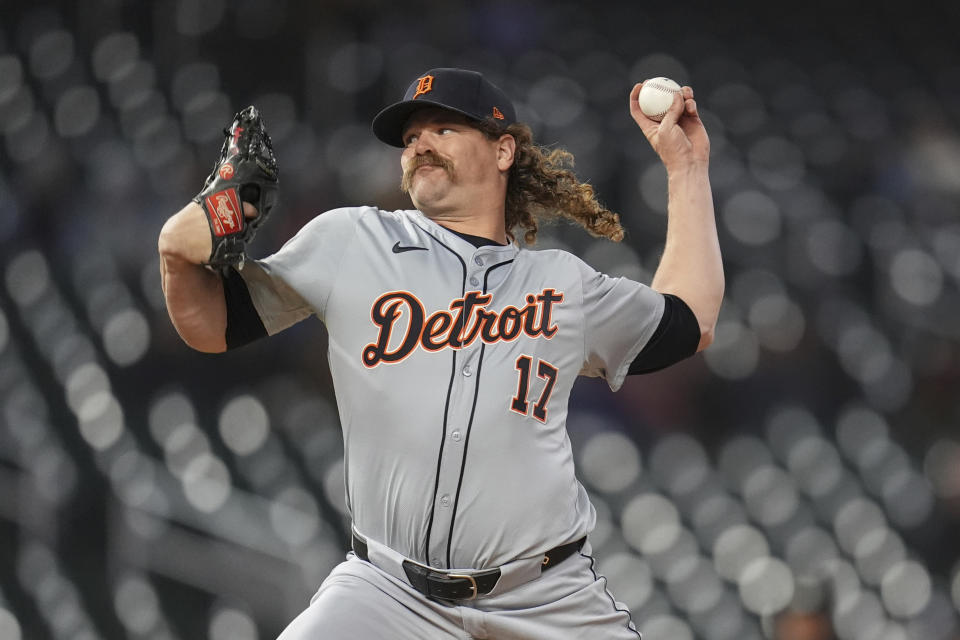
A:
x: 799, y: 480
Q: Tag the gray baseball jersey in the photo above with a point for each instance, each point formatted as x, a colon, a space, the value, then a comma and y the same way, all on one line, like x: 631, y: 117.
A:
x: 452, y: 368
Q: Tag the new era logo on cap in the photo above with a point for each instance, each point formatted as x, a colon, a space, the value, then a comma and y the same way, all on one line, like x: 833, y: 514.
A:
x: 459, y: 90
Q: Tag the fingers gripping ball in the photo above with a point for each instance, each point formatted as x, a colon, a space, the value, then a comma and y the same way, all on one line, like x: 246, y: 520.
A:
x: 245, y: 171
x: 656, y: 96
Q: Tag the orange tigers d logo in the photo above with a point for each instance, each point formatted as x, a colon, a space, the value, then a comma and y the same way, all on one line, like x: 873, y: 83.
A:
x: 424, y: 85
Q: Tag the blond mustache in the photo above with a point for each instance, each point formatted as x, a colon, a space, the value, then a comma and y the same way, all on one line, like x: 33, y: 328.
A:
x: 426, y: 160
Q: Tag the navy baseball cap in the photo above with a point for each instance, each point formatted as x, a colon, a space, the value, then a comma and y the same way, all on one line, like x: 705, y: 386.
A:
x: 459, y: 90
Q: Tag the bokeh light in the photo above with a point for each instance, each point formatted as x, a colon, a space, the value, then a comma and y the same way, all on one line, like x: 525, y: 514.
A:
x: 855, y: 520
x: 630, y: 578
x: 232, y: 624
x: 27, y: 277
x: 294, y: 516
x: 752, y: 217
x: 137, y: 605
x: 9, y: 626
x: 610, y: 461
x: 766, y: 586
x: 678, y: 463
x: 666, y: 626
x: 651, y: 523
x: 126, y: 337
x: 905, y: 589
x: 809, y: 550
x: 206, y: 482
x: 858, y: 614
x: 736, y: 549
x: 244, y: 424
x: 735, y: 352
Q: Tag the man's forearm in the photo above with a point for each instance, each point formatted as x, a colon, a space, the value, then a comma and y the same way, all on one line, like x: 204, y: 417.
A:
x: 691, y: 266
x: 193, y: 293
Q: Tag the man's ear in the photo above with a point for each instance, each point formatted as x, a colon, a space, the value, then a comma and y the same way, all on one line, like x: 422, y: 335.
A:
x: 506, y: 151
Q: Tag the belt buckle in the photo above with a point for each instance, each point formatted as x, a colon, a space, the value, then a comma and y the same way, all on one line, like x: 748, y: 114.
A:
x: 473, y: 584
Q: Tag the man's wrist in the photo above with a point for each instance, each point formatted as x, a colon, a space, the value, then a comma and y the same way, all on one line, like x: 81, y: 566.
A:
x: 186, y: 236
x: 694, y: 169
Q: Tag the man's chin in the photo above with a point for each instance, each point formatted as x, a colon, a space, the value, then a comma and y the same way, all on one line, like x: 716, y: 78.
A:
x: 426, y: 203
x: 426, y: 193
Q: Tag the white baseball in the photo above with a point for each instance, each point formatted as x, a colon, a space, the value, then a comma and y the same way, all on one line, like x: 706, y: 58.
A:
x: 656, y: 96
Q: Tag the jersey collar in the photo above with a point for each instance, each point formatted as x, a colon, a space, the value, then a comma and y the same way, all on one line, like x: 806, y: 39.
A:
x: 464, y: 248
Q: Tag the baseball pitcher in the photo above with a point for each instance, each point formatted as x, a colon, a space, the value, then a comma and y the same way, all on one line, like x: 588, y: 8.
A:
x: 453, y: 348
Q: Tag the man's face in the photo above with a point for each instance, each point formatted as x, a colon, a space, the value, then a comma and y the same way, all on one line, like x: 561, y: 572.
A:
x: 447, y: 163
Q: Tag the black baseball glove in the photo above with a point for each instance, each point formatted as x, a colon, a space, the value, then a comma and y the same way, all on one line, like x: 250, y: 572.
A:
x: 245, y: 171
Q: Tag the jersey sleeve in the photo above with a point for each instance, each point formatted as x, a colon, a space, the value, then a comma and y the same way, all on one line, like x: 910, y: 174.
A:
x: 619, y: 316
x: 295, y: 282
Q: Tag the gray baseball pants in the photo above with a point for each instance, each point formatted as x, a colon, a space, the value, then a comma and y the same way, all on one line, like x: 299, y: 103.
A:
x: 363, y: 601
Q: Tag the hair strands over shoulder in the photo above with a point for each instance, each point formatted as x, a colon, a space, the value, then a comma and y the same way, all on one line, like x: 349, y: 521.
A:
x: 541, y: 185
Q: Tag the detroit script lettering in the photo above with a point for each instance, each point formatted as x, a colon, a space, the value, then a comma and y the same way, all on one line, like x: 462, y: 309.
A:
x: 466, y: 320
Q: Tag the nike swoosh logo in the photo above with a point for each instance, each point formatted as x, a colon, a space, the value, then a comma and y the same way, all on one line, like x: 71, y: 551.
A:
x: 398, y: 249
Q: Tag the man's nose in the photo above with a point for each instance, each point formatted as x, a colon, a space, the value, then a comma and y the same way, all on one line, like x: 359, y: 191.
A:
x: 424, y: 144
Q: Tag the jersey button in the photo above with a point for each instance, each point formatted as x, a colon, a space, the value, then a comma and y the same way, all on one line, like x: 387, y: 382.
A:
x: 474, y: 282
x: 479, y: 261
x: 444, y: 500
x: 467, y: 371
x: 455, y: 436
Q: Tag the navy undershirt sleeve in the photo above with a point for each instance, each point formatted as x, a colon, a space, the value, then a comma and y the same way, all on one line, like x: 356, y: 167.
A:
x: 243, y: 321
x: 676, y: 338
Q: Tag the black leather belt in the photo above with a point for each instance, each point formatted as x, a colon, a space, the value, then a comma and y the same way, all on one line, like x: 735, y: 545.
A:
x: 456, y: 586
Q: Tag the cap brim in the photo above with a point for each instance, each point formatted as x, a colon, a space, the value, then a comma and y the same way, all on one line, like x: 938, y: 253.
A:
x: 388, y: 124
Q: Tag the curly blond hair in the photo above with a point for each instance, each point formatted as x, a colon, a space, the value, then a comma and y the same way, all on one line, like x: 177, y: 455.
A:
x: 542, y: 186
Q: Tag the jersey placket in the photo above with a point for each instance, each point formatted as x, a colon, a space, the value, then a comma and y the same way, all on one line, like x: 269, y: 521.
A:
x: 463, y: 392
